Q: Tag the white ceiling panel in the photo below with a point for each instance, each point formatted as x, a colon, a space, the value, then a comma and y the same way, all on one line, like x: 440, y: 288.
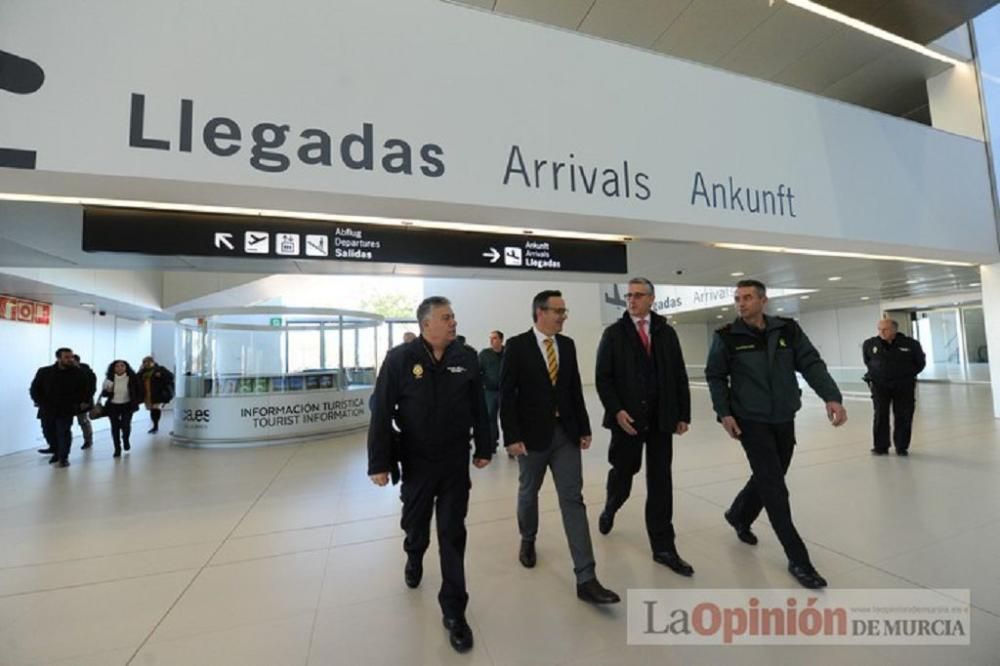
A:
x: 639, y: 22
x: 708, y: 29
x: 563, y: 13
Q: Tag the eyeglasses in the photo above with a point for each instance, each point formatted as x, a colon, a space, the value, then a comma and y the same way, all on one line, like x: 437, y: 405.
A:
x: 635, y: 294
x: 558, y: 311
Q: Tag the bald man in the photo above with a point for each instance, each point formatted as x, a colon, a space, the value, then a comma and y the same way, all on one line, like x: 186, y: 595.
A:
x: 893, y: 360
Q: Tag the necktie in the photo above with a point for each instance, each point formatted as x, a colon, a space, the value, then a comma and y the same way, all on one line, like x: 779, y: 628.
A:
x: 643, y: 335
x: 550, y: 357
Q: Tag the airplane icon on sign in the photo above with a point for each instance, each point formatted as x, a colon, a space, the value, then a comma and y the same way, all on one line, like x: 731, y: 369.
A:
x: 257, y: 242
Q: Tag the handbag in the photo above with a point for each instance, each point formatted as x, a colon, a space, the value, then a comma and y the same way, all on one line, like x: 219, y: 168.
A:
x: 97, y: 411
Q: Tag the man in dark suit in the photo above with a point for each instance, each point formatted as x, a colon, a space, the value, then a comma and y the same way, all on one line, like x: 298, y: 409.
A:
x: 893, y: 360
x: 545, y: 424
x: 644, y: 389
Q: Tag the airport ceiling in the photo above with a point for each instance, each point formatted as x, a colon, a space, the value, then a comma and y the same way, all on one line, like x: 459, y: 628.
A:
x: 775, y: 41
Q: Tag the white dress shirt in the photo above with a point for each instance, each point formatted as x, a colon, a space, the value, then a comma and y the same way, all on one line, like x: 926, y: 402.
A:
x: 541, y: 338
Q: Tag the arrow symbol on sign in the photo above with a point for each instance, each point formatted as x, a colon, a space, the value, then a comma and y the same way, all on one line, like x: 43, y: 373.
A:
x: 492, y: 255
x: 224, y: 240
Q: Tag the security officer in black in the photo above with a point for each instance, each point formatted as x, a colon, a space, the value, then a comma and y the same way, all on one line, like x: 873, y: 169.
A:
x: 432, y: 391
x: 751, y: 376
x: 893, y: 360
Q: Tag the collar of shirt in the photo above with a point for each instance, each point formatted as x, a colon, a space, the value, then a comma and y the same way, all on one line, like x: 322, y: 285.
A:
x: 541, y: 337
x: 636, y: 320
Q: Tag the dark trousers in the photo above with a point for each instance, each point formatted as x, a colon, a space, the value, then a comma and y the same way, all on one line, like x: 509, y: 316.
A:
x: 769, y: 448
x: 155, y: 415
x: 625, y: 456
x: 444, y: 487
x: 564, y: 459
x: 57, y: 431
x: 492, y: 408
x: 902, y: 401
x: 120, y: 416
x: 83, y: 420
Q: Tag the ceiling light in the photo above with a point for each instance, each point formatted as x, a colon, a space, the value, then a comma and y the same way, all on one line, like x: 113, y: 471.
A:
x: 737, y: 274
x: 724, y: 309
x: 781, y: 309
x: 912, y: 281
x: 831, y: 253
x: 87, y: 305
x: 867, y: 28
x: 865, y: 298
x: 301, y: 215
x: 804, y: 298
x: 718, y: 316
x: 975, y: 284
x: 835, y: 278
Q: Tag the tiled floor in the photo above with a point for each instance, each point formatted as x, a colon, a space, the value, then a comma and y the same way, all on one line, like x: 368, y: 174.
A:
x: 288, y: 555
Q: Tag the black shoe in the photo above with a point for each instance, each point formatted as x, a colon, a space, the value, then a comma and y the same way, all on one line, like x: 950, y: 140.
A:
x: 127, y: 446
x: 47, y: 452
x: 63, y: 463
x: 743, y: 532
x: 118, y: 453
x: 86, y: 446
x: 594, y: 593
x: 152, y: 431
x: 902, y: 452
x: 527, y: 555
x: 806, y: 575
x: 673, y: 561
x: 880, y: 452
x: 605, y: 522
x: 413, y: 572
x: 53, y: 460
x: 459, y: 633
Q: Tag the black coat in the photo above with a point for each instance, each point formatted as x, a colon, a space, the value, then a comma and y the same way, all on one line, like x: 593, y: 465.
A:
x: 91, y: 383
x: 621, y: 380
x: 529, y: 401
x: 438, y: 406
x: 59, y: 391
x: 161, y: 385
x: 892, y: 364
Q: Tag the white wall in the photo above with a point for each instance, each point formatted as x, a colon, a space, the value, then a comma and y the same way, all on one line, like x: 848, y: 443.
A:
x: 26, y: 347
x: 838, y: 334
x: 485, y: 305
x: 695, y: 339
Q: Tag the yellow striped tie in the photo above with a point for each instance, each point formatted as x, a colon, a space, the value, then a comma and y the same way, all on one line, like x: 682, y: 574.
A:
x: 550, y: 356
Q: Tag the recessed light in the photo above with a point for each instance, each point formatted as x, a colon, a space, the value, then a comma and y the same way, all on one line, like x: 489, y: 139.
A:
x: 974, y: 284
x: 87, y: 305
x: 724, y: 309
x: 781, y: 309
x: 718, y: 316
x: 804, y: 298
x: 835, y: 278
x: 912, y: 281
x: 737, y: 274
x: 865, y: 298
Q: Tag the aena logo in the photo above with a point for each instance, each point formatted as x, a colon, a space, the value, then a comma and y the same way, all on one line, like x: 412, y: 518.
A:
x: 21, y: 77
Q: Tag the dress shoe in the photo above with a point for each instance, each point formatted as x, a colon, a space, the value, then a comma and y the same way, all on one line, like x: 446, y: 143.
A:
x: 127, y: 446
x: 673, y: 561
x: 605, y: 522
x: 902, y: 452
x: 117, y: 453
x: 152, y: 431
x: 413, y: 572
x: 47, y: 452
x: 806, y: 575
x: 459, y: 633
x: 63, y: 463
x: 880, y: 452
x: 527, y: 555
x: 53, y: 460
x: 594, y: 593
x: 86, y: 446
x: 743, y: 532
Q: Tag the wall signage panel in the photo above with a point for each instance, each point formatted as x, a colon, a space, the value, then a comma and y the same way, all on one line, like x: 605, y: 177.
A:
x: 13, y: 308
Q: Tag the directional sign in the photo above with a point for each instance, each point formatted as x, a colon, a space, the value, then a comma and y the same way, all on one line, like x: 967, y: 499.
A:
x: 210, y: 235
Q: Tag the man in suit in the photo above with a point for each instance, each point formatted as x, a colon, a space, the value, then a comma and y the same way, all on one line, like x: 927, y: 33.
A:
x: 430, y: 389
x: 545, y: 425
x: 644, y: 389
x: 893, y: 360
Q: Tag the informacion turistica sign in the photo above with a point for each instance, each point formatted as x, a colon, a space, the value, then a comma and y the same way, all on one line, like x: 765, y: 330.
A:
x: 214, y: 235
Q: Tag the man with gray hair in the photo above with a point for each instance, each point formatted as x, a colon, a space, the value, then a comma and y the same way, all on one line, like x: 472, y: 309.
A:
x: 643, y: 386
x: 428, y: 405
x: 893, y: 360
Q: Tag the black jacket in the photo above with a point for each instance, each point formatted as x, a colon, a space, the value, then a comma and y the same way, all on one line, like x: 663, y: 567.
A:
x: 136, y: 390
x: 438, y: 407
x: 529, y: 402
x: 59, y: 391
x: 161, y: 385
x: 91, y: 383
x: 621, y: 383
x: 895, y: 363
x: 751, y: 374
x: 489, y: 368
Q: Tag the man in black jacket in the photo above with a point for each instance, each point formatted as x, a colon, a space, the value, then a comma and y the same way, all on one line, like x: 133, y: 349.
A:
x: 755, y: 393
x: 643, y: 386
x: 431, y: 389
x: 545, y: 424
x: 83, y: 418
x: 60, y: 393
x: 893, y: 360
x: 489, y: 369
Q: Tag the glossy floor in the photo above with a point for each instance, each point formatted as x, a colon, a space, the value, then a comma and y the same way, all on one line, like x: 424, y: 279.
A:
x: 288, y: 555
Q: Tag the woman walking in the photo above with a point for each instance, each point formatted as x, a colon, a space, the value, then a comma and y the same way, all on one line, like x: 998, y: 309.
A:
x: 158, y: 389
x: 123, y: 390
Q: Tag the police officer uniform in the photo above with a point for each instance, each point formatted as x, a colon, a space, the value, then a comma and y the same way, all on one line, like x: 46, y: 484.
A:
x: 892, y: 375
x: 751, y: 377
x: 437, y: 406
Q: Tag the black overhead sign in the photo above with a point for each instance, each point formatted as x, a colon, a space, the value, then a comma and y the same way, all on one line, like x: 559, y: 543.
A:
x: 243, y: 237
